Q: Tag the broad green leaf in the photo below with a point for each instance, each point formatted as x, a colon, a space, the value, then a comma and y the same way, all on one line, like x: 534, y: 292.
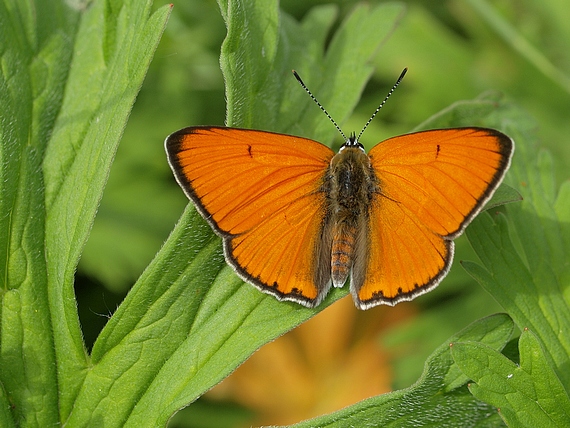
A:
x: 528, y: 394
x: 531, y: 276
x: 114, y: 45
x: 69, y: 77
x: 189, y: 321
x: 505, y: 194
x: 439, y: 398
x: 36, y: 44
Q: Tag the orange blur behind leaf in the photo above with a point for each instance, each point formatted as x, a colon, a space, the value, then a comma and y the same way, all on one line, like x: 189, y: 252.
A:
x: 331, y: 361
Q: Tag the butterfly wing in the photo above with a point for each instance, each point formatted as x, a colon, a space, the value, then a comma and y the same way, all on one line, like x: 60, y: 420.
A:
x: 261, y: 193
x: 430, y: 186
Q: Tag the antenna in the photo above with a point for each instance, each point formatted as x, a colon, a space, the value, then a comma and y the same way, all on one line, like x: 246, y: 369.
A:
x: 383, y: 102
x: 319, y: 104
x: 402, y: 74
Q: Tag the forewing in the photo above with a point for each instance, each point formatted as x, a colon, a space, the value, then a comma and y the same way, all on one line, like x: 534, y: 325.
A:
x: 430, y: 186
x: 261, y: 192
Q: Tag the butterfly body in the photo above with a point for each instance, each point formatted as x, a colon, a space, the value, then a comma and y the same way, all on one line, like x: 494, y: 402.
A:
x: 349, y: 189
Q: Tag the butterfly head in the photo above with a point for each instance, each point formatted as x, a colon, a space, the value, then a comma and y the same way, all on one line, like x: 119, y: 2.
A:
x: 352, y: 142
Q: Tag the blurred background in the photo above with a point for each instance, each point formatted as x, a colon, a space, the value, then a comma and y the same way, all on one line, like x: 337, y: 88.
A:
x: 455, y: 50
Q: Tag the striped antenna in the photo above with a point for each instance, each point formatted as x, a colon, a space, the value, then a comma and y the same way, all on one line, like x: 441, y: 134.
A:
x: 402, y: 74
x: 319, y: 104
x: 383, y: 102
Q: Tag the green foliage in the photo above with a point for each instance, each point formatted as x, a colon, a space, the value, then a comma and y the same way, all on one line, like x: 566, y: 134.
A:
x: 528, y: 278
x: 527, y: 394
x: 439, y: 398
x: 70, y: 72
x: 69, y: 79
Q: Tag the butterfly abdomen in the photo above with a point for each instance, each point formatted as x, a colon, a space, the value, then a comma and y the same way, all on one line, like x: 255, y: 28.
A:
x: 342, y: 252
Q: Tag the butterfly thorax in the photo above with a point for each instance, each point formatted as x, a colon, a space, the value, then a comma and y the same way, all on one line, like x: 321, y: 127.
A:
x: 350, y: 186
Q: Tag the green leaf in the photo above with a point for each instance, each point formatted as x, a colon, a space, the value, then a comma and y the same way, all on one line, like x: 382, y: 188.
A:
x: 531, y: 276
x: 83, y: 144
x: 505, y: 194
x: 527, y: 395
x: 69, y: 77
x: 36, y: 44
x: 439, y: 397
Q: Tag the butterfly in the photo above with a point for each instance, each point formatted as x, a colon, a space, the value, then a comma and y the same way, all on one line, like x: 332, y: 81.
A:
x: 297, y: 218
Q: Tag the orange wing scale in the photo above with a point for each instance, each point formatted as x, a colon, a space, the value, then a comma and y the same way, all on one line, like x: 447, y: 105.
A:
x: 431, y: 184
x: 260, y: 192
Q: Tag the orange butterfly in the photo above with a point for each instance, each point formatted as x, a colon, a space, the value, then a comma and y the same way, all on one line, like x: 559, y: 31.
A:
x: 297, y: 218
